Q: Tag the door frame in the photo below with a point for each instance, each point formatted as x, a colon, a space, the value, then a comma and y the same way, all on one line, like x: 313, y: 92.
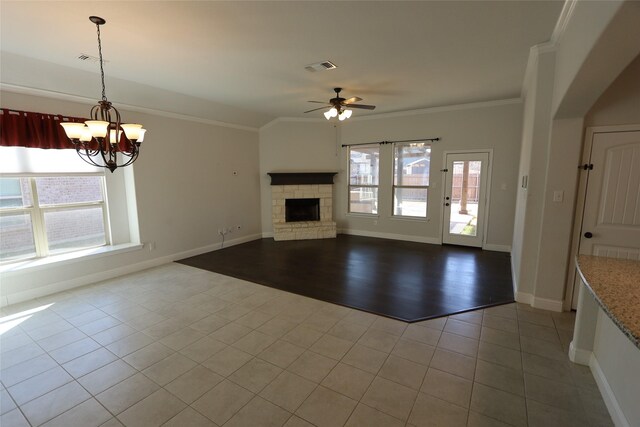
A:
x: 488, y: 151
x: 581, y: 196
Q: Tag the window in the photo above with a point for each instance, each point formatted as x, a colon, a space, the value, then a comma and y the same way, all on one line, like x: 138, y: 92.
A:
x: 45, y: 215
x: 364, y: 162
x: 411, y: 179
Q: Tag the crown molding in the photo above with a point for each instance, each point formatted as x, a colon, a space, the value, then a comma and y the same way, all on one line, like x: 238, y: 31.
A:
x: 24, y: 90
x: 441, y: 109
x: 550, y: 46
x: 429, y: 110
x: 290, y: 119
x: 84, y: 100
x: 563, y: 20
x: 532, y: 63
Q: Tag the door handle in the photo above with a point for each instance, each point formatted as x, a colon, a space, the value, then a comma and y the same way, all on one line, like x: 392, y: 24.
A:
x: 588, y: 235
x: 446, y: 198
x: 446, y: 204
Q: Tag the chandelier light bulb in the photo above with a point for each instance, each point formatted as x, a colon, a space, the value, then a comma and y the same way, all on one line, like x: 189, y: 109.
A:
x: 132, y: 131
x: 327, y: 115
x: 113, y: 139
x: 72, y: 129
x: 98, y: 128
x: 86, y: 134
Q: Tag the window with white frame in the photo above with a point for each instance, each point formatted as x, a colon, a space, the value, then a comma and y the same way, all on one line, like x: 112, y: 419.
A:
x: 411, y: 179
x: 364, y: 166
x: 46, y: 215
x: 47, y: 210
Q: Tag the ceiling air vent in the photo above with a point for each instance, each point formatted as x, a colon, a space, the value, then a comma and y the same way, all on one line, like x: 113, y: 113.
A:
x: 320, y: 66
x: 85, y: 57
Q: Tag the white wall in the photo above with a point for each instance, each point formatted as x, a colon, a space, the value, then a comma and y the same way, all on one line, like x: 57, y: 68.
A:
x: 594, y: 46
x: 600, y: 38
x: 620, y: 103
x: 296, y: 145
x: 185, y: 190
x: 533, y: 165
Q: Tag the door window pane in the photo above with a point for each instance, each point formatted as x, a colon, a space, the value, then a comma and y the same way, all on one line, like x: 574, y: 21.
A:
x: 410, y: 202
x: 70, y: 229
x: 61, y: 190
x: 16, y: 236
x: 465, y: 198
x: 363, y: 200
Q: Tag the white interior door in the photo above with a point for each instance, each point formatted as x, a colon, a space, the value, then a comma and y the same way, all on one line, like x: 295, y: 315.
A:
x: 465, y: 198
x: 611, y: 219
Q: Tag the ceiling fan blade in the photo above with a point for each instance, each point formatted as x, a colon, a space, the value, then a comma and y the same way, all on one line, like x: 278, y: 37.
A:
x: 351, y: 100
x: 320, y: 102
x: 316, y: 109
x: 363, y: 106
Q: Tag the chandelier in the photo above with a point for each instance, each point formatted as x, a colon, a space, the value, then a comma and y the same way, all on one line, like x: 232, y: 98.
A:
x: 104, y: 140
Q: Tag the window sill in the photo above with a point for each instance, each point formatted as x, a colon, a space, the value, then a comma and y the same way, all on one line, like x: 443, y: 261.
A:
x: 67, y: 258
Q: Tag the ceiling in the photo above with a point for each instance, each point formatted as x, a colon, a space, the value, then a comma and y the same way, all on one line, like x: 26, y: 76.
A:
x: 251, y: 55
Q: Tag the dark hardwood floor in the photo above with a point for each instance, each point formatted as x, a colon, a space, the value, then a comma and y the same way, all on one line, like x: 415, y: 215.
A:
x: 403, y: 280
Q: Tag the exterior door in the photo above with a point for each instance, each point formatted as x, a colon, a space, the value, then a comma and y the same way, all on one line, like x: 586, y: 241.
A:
x: 611, y: 218
x: 465, y: 198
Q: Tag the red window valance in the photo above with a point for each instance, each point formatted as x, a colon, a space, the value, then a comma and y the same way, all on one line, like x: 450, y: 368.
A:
x: 34, y: 130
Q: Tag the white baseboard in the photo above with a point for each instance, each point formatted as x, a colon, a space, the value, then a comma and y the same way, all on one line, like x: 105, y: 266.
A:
x: 76, y: 282
x: 617, y: 416
x: 523, y: 297
x: 267, y: 234
x: 537, y: 302
x: 497, y: 248
x: 392, y: 236
x: 514, y: 280
x: 547, y: 304
x: 579, y: 356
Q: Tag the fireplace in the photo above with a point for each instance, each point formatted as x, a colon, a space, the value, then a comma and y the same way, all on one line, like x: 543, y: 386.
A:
x: 302, y: 210
x: 302, y: 205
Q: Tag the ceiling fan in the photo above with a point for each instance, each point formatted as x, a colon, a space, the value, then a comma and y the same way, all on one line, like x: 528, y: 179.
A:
x: 340, y: 107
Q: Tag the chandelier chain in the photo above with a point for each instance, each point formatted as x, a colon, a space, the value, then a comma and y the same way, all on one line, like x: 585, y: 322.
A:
x: 104, y: 96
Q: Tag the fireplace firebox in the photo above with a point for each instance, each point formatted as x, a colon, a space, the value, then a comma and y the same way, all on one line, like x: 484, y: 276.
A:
x: 302, y: 210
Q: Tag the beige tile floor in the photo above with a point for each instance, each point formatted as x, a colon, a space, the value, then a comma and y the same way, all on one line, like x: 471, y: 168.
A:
x: 178, y: 346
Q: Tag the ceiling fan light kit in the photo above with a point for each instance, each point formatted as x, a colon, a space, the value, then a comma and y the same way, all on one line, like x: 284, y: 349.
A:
x: 99, y: 140
x: 338, y: 106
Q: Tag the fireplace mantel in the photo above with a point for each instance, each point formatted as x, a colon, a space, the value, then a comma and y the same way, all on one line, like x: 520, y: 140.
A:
x: 301, y: 178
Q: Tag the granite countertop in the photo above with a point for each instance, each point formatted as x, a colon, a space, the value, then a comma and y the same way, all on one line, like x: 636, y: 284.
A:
x: 615, y: 284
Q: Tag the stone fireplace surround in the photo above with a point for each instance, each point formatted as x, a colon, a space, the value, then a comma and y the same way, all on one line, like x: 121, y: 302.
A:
x: 302, y: 185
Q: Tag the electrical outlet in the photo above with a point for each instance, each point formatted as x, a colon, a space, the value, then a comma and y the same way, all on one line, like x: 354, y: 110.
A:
x: 558, y: 195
